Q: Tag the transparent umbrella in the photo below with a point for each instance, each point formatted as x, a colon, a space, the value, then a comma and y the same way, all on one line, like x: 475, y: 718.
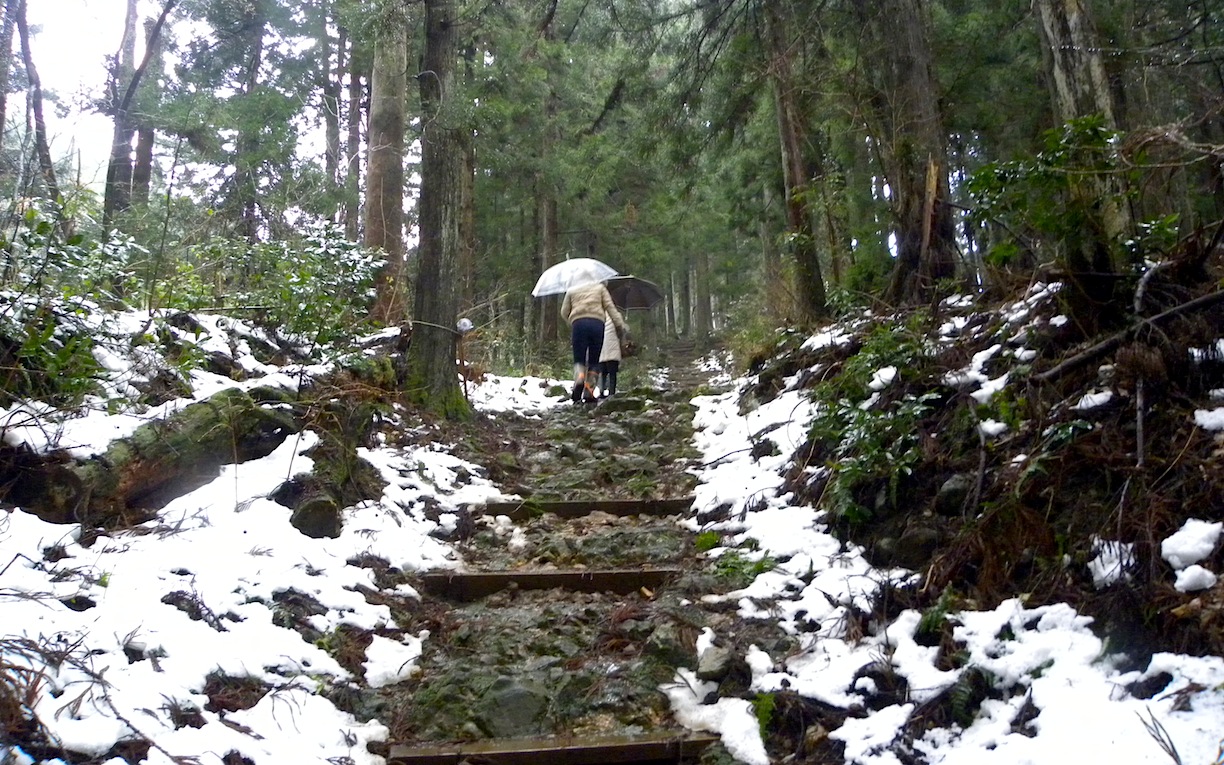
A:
x: 564, y: 276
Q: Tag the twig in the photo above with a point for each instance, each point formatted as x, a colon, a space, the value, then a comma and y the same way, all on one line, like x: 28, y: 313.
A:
x: 1112, y: 342
x: 1158, y: 732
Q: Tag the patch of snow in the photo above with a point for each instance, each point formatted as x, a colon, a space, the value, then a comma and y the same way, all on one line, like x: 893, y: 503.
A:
x: 1194, y: 578
x: 1193, y: 542
x: 1093, y: 400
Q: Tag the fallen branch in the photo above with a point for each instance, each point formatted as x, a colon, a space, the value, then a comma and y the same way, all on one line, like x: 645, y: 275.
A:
x: 1110, y: 343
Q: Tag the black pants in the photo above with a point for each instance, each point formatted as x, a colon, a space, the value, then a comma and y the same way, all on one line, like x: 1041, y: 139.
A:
x: 610, y: 369
x: 586, y: 335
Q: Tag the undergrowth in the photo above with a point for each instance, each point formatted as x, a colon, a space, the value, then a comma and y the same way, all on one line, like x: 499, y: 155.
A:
x: 869, y: 432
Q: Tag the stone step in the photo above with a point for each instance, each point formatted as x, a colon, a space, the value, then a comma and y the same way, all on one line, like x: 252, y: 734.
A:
x: 468, y: 586
x: 521, y: 510
x: 671, y: 747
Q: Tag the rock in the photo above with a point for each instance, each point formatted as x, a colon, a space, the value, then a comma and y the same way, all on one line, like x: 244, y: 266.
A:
x: 622, y: 403
x: 715, y: 663
x: 950, y: 500
x: 666, y: 645
x: 318, y: 517
x: 915, y: 547
x: 513, y: 708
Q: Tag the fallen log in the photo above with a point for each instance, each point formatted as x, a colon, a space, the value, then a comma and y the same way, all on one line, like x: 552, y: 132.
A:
x: 164, y: 459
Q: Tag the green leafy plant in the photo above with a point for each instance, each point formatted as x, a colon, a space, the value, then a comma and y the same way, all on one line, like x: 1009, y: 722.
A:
x: 51, y: 352
x: 871, y: 440
x: 1036, y: 196
x: 934, y: 618
x: 707, y: 540
x: 739, y: 570
x: 763, y: 706
x: 316, y: 287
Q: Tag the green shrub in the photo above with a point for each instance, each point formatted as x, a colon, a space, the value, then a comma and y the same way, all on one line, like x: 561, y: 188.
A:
x: 877, y: 442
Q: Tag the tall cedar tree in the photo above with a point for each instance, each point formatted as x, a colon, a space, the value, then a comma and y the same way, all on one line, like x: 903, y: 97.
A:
x: 433, y: 379
x: 384, y: 208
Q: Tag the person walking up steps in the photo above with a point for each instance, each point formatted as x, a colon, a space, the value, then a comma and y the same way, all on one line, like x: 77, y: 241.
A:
x: 610, y: 358
x: 585, y: 309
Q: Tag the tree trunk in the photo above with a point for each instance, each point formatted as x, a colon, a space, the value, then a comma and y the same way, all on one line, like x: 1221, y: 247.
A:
x: 352, y: 151
x: 41, y: 145
x: 1074, y: 68
x: 11, y: 9
x: 331, y: 68
x: 703, y: 322
x: 547, y: 212
x: 775, y: 294
x: 684, y: 308
x: 142, y: 163
x: 159, y: 460
x: 549, y: 234
x: 433, y: 379
x: 810, y: 287
x: 908, y: 131
x: 118, y: 194
x: 245, y: 202
x: 126, y: 79
x: 384, y: 205
x: 467, y: 223
x: 467, y: 220
x: 1079, y: 88
x: 142, y: 167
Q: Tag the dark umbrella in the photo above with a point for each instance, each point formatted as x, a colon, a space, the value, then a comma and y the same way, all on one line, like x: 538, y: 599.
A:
x: 629, y: 292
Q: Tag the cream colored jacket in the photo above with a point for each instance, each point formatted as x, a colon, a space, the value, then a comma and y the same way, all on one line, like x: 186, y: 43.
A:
x: 611, y: 343
x: 591, y: 302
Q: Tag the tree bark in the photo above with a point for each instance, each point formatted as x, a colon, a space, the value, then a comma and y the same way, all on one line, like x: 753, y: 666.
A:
x: 246, y: 201
x: 1079, y: 88
x: 41, y: 145
x: 703, y: 321
x: 908, y: 127
x: 352, y: 150
x: 142, y: 166
x: 11, y: 8
x: 547, y: 212
x: 142, y: 161
x: 331, y: 66
x: 384, y: 206
x: 433, y: 379
x: 118, y: 195
x: 125, y: 82
x: 810, y: 287
x: 1075, y: 71
x: 684, y: 307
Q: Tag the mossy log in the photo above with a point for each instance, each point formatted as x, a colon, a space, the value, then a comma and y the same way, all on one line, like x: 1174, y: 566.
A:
x: 140, y: 473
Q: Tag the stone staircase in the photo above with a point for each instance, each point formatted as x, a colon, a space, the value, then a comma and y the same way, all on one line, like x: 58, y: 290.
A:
x: 572, y: 607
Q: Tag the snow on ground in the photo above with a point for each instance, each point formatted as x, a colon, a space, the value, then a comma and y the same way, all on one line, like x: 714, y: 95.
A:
x: 119, y: 668
x: 1044, y: 655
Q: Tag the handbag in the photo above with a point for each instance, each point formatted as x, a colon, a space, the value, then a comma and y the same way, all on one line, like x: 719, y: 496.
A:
x: 628, y: 347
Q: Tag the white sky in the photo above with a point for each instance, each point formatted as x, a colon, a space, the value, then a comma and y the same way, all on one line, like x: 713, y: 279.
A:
x: 231, y: 547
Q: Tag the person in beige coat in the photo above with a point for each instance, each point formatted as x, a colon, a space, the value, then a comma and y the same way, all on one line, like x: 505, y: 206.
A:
x: 585, y: 309
x: 609, y: 359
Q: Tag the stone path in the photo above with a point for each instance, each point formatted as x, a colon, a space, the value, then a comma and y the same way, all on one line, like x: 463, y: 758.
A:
x: 574, y: 605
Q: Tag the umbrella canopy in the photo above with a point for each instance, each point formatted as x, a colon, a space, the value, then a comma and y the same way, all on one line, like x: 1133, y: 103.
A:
x: 629, y: 292
x: 564, y: 276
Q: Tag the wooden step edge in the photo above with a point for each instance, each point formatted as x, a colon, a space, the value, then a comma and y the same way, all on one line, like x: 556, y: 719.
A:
x: 467, y: 586
x: 668, y: 747
x: 521, y: 510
